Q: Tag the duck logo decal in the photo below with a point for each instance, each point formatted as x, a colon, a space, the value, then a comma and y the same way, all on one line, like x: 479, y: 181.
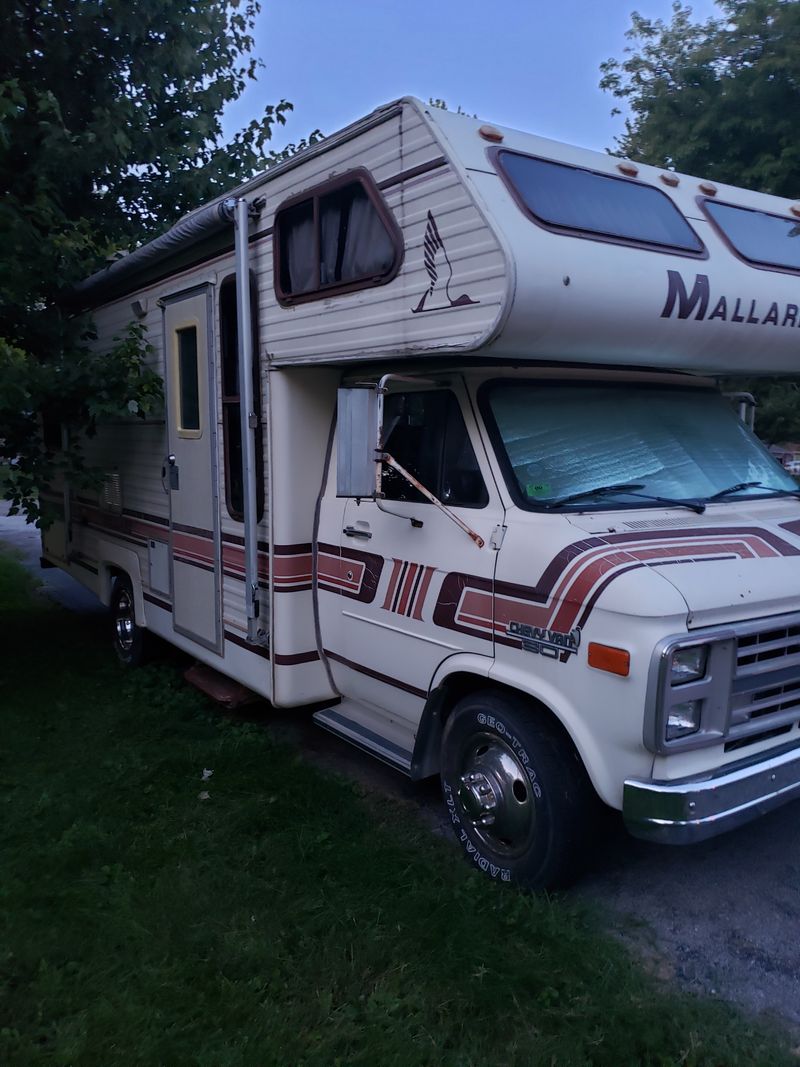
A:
x: 437, y: 296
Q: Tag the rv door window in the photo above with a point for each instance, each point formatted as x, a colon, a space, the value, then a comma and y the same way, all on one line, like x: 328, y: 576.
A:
x: 590, y: 204
x: 759, y: 237
x: 189, y: 390
x: 426, y: 434
x: 339, y: 238
x: 562, y: 439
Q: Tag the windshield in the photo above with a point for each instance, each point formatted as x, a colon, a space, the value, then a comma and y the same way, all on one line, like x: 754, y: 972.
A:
x: 631, y: 442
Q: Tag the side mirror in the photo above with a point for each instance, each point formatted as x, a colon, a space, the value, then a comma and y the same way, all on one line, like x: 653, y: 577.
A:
x: 358, y: 472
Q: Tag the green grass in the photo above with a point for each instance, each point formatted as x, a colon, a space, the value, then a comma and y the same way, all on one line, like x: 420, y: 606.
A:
x: 285, y: 920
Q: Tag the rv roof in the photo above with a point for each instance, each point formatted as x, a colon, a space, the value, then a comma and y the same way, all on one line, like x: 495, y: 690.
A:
x: 606, y: 260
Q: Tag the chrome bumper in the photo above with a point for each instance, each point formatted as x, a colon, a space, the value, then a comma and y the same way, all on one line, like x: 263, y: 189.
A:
x: 693, y: 809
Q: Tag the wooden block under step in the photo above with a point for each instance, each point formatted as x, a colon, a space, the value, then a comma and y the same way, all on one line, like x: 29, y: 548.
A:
x: 219, y: 687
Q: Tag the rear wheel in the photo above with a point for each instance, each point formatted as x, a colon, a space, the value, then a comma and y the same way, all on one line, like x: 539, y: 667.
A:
x: 516, y: 791
x: 129, y: 639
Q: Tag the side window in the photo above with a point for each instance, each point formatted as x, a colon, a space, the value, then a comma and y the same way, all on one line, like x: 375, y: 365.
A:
x: 426, y: 434
x: 231, y: 407
x: 188, y: 383
x: 338, y: 238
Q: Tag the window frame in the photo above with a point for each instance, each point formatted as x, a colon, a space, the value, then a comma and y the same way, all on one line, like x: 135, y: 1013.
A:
x: 453, y: 398
x: 495, y: 153
x: 190, y: 433
x: 758, y: 264
x: 362, y: 177
x: 229, y: 283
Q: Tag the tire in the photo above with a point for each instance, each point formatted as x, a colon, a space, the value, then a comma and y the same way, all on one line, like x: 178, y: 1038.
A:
x: 130, y: 640
x: 518, y: 796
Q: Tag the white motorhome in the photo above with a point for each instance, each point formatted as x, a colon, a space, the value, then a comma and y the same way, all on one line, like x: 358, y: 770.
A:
x: 536, y: 553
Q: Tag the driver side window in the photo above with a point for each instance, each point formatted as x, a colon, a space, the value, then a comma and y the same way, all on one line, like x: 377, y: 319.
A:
x: 425, y: 432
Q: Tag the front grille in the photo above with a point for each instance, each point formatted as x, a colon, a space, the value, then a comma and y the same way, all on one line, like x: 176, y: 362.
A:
x: 766, y: 687
x: 769, y: 645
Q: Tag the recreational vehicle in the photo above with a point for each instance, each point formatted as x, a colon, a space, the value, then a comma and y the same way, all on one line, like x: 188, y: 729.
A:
x: 442, y: 453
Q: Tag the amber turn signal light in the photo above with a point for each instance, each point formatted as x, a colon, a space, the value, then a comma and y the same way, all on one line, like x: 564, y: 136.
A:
x: 606, y: 658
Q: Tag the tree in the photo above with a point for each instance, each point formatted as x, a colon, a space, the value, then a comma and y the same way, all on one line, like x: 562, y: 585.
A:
x: 110, y: 129
x: 719, y: 99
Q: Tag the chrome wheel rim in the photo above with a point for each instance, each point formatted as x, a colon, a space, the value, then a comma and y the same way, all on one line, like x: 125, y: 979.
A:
x: 124, y: 623
x: 495, y: 796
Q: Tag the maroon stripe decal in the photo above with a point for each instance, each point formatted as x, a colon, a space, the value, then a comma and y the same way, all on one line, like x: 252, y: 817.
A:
x: 298, y: 657
x: 426, y: 581
x: 159, y: 603
x: 413, y: 172
x: 568, y: 588
x: 371, y: 563
x: 397, y: 566
x: 195, y: 531
x: 257, y: 650
x: 422, y: 693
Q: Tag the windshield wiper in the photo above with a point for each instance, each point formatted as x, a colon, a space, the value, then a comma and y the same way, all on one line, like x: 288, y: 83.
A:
x: 740, y: 486
x: 626, y: 487
x: 697, y: 506
x: 599, y: 490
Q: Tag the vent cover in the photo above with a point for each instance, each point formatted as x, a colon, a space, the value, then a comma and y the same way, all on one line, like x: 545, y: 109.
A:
x: 111, y: 497
x: 656, y: 524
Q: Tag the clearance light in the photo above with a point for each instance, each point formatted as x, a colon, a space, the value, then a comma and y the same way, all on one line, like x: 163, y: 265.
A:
x: 628, y: 168
x: 606, y: 658
x: 795, y: 209
x: 490, y: 133
x: 670, y: 179
x: 708, y: 188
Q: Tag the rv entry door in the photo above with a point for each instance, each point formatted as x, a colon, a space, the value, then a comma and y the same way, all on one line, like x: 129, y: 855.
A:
x: 189, y: 473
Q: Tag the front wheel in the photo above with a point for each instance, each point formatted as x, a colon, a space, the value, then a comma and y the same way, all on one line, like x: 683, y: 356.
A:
x: 516, y: 791
x: 129, y: 639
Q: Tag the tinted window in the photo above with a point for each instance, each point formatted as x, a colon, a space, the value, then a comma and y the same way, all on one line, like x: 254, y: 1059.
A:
x: 189, y: 385
x: 583, y: 201
x: 769, y: 239
x: 426, y: 434
x: 335, y: 238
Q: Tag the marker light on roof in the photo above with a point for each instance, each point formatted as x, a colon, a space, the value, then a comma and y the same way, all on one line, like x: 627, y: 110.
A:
x: 670, y: 179
x: 708, y: 188
x: 628, y: 168
x: 795, y: 209
x: 490, y: 133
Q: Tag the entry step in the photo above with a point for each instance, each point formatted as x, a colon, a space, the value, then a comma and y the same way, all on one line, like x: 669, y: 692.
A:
x: 219, y: 687
x: 371, y: 729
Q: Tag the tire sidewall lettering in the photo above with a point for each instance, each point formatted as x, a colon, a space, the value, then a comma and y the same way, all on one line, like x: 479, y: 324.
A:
x: 491, y: 722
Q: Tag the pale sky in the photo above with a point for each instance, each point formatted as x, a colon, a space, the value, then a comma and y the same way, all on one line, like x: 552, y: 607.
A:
x: 531, y: 65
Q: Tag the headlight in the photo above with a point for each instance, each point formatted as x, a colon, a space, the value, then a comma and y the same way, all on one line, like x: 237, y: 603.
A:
x: 683, y: 719
x: 688, y: 664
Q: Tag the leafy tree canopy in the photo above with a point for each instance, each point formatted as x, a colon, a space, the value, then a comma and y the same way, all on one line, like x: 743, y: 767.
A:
x: 719, y: 99
x: 110, y: 129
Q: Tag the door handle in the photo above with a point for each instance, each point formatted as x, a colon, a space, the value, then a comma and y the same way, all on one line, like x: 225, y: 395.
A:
x: 356, y: 531
x: 170, y: 470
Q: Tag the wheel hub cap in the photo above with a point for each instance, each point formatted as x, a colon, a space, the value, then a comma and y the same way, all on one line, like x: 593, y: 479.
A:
x: 495, y: 796
x: 124, y: 622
